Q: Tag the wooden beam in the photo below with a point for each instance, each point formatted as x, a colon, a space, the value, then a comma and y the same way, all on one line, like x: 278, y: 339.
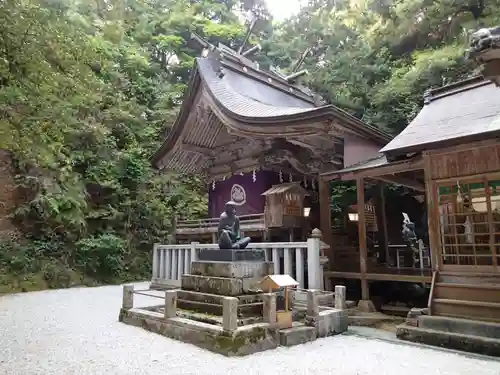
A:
x: 412, y: 184
x: 383, y: 170
x: 363, y: 252
x: 325, y: 214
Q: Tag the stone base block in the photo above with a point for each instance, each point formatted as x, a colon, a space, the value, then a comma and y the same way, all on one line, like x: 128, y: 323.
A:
x: 243, y: 341
x: 221, y: 285
x: 240, y: 269
x: 214, y: 285
x: 297, y: 335
x: 450, y: 340
x: 219, y: 255
x: 332, y: 322
x: 461, y: 326
x: 366, y: 306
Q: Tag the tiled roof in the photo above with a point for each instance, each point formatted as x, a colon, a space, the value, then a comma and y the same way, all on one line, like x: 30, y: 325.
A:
x: 246, y: 97
x: 453, y: 113
x: 254, y: 98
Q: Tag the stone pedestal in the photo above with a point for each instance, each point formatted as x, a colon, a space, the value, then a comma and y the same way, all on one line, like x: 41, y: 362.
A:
x: 366, y: 306
x: 204, y: 289
x: 217, y: 255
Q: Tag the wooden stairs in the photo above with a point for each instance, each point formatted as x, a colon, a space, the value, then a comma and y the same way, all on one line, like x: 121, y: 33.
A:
x: 472, y: 296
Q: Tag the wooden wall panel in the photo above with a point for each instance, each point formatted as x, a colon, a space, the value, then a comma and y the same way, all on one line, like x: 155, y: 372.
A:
x: 461, y: 162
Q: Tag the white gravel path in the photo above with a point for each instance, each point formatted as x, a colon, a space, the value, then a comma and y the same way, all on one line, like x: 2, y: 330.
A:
x: 75, y: 331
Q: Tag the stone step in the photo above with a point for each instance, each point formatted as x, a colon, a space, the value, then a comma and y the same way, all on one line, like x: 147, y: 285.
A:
x: 248, y: 309
x: 220, y: 285
x: 298, y: 334
x: 450, y: 340
x: 460, y: 326
x: 232, y: 269
x: 222, y: 255
x: 214, y: 319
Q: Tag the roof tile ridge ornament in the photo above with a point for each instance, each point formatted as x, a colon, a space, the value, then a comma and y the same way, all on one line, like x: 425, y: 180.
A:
x: 484, y: 49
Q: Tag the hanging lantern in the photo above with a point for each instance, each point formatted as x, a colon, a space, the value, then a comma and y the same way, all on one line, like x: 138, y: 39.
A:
x: 213, y: 185
x: 254, y: 176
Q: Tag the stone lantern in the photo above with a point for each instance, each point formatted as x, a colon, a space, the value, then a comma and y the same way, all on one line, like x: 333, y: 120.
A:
x: 485, y: 50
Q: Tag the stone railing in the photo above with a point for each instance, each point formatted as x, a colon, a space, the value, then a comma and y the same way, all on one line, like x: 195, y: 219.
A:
x: 301, y: 260
x: 322, y: 321
x: 253, y: 222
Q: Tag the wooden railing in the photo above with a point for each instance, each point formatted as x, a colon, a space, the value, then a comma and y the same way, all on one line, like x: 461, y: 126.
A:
x: 170, y: 262
x: 247, y: 223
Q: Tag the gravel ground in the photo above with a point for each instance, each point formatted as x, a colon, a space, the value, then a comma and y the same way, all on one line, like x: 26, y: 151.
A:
x: 75, y: 331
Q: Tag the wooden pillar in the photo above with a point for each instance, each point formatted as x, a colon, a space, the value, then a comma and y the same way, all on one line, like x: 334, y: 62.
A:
x: 433, y: 222
x: 363, y: 253
x: 325, y: 214
x: 383, y: 240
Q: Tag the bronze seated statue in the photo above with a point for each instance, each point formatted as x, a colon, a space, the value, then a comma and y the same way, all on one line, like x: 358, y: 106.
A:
x: 229, y: 229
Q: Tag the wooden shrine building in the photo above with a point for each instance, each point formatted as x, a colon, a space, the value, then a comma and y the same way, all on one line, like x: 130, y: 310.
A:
x: 246, y: 130
x: 451, y: 153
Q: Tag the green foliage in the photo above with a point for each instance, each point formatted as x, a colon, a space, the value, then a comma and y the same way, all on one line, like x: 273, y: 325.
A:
x: 87, y: 89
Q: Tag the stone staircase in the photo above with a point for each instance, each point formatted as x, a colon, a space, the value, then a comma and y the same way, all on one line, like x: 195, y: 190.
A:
x: 465, y: 314
x: 248, y: 305
x: 203, y: 290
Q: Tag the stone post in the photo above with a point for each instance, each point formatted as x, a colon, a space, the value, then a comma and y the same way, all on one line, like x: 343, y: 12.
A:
x: 312, y: 303
x: 269, y: 307
x: 230, y: 313
x: 128, y: 297
x: 323, y: 262
x: 194, y: 254
x: 170, y: 304
x: 313, y: 262
x: 155, y: 275
x: 340, y: 292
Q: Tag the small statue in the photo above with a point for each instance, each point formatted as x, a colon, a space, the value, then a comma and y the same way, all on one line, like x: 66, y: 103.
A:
x: 410, y: 237
x: 229, y: 229
x: 408, y: 230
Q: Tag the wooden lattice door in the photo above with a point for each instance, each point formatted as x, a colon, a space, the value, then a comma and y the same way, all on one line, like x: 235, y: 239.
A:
x: 469, y: 222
